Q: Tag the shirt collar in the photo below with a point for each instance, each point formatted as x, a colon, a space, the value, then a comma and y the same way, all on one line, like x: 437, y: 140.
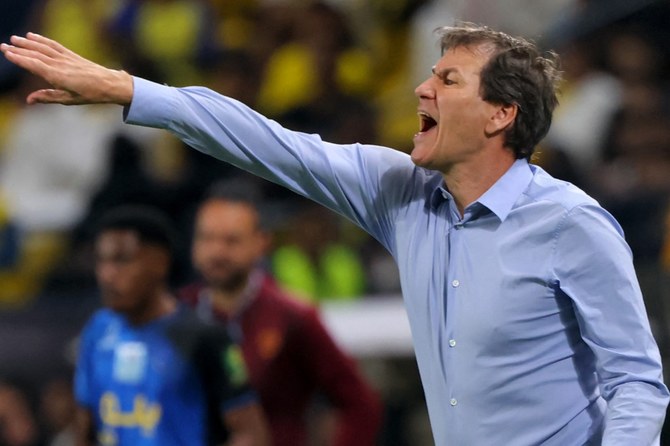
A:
x: 500, y: 197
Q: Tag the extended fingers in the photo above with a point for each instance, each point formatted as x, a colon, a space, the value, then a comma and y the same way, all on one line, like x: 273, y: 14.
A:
x: 38, y: 46
x: 26, y: 53
x: 76, y: 80
x: 27, y: 59
x: 55, y: 46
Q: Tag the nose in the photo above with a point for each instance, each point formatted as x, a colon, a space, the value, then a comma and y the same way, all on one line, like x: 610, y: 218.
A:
x: 424, y: 90
x: 105, y: 273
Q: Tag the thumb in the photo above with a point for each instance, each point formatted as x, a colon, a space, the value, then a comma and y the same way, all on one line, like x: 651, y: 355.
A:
x: 50, y: 96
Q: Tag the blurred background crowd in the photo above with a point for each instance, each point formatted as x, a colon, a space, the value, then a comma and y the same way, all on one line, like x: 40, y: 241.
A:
x: 345, y: 69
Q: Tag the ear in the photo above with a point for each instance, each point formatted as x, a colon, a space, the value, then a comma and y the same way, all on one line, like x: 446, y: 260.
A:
x: 503, y: 117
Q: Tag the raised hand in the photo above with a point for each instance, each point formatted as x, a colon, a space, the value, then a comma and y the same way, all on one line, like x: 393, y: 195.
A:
x: 75, y: 80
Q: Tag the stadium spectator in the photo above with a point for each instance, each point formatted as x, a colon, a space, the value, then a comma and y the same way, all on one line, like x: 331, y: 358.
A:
x: 290, y: 355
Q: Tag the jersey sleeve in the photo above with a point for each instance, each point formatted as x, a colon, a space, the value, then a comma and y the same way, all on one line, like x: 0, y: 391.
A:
x: 83, y: 382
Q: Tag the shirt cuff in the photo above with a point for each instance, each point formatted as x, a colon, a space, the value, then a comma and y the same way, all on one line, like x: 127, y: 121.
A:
x: 151, y: 104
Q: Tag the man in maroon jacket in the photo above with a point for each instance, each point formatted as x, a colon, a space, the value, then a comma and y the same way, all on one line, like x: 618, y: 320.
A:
x: 290, y: 356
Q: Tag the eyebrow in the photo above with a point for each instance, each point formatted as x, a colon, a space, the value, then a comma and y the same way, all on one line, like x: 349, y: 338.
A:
x: 443, y: 72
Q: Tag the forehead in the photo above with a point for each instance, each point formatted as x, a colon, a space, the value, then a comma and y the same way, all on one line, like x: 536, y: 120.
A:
x: 117, y: 240
x: 227, y: 214
x: 466, y: 60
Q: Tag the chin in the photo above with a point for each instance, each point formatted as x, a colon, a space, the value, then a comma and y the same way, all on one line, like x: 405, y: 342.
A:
x: 415, y: 154
x: 119, y: 307
x: 116, y: 301
x: 215, y: 277
x: 418, y: 159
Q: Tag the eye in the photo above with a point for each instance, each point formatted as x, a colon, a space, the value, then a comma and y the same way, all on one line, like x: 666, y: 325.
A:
x: 444, y: 76
x: 449, y: 78
x: 446, y: 79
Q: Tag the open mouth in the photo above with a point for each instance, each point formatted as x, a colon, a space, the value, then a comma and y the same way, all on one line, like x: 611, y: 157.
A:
x: 426, y: 122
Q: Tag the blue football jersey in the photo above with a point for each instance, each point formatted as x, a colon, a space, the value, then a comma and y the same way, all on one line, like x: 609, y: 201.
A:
x: 159, y: 384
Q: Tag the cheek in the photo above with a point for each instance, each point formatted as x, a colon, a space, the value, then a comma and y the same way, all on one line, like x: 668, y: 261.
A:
x: 139, y: 281
x: 242, y: 256
x: 467, y: 123
x: 203, y: 253
x: 452, y: 133
x: 127, y: 283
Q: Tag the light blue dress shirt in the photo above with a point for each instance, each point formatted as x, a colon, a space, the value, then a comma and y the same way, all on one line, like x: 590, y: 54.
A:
x: 527, y: 319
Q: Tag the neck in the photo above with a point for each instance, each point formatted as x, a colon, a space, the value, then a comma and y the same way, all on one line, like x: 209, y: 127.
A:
x: 161, y: 305
x: 468, y: 181
x: 228, y: 301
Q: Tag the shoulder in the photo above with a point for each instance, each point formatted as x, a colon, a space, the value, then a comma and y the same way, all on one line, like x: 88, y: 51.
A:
x: 551, y: 191
x: 395, y: 170
x: 101, y: 319
x: 553, y: 201
x: 101, y: 330
x: 554, y: 209
x: 273, y: 298
x: 276, y: 307
x: 576, y: 220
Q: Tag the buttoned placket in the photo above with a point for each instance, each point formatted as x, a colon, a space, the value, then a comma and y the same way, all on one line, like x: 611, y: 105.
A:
x: 454, y: 294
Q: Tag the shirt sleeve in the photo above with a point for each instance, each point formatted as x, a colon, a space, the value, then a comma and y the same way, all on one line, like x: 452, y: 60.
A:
x: 358, y: 181
x: 338, y: 379
x: 594, y: 267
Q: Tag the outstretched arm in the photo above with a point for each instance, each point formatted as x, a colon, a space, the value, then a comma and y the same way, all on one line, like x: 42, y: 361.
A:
x: 351, y: 179
x: 75, y: 80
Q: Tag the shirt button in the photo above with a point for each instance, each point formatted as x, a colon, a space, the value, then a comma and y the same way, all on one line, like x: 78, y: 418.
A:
x: 452, y: 343
x: 453, y: 402
x: 455, y: 283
